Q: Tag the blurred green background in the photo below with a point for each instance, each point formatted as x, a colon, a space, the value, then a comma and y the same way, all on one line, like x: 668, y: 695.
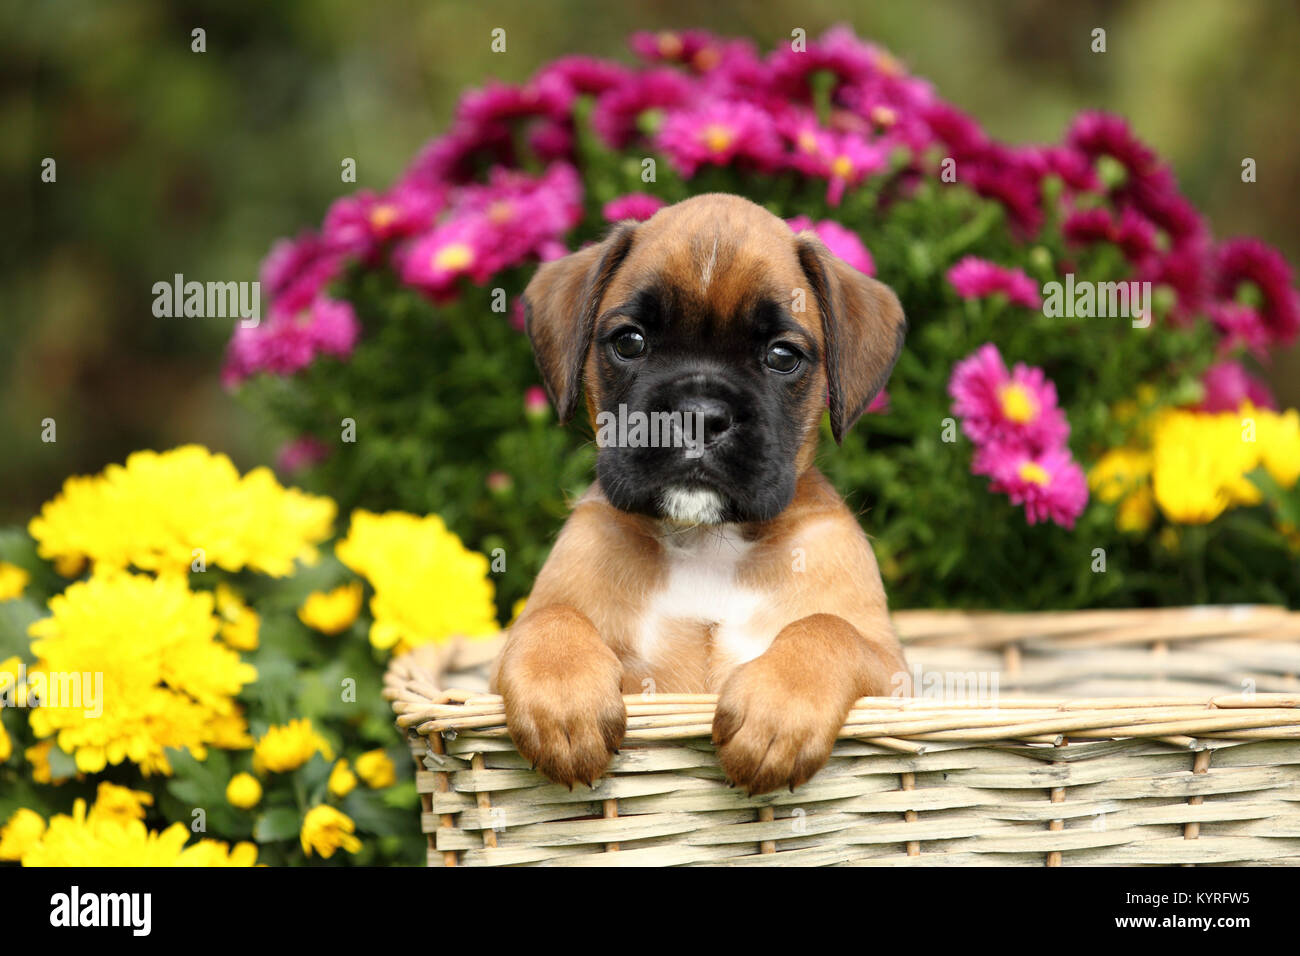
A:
x: 173, y: 161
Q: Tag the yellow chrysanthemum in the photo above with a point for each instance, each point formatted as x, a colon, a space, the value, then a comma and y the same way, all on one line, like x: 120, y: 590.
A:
x: 342, y: 780
x: 120, y: 803
x: 6, y: 744
x: 22, y: 831
x: 428, y: 586
x: 215, y: 853
x: 240, y: 624
x: 160, y: 677
x: 1123, y: 475
x: 98, y: 838
x: 39, y: 757
x: 287, y: 747
x: 376, y: 769
x: 1278, y: 436
x: 159, y: 510
x: 334, y: 611
x: 1200, y: 461
x: 325, y: 830
x: 243, y: 791
x: 13, y: 581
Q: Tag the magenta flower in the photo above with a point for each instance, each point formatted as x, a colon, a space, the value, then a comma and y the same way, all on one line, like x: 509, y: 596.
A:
x: 288, y: 341
x: 838, y: 51
x: 1015, y: 409
x: 300, y: 454
x: 638, y: 206
x: 536, y: 404
x: 1240, y: 326
x: 1050, y: 484
x: 845, y: 159
x: 1248, y: 260
x: 1228, y: 385
x: 436, y: 261
x: 357, y: 224
x: 1132, y: 232
x: 618, y: 109
x: 842, y: 242
x: 583, y: 74
x: 720, y: 133
x: 976, y: 278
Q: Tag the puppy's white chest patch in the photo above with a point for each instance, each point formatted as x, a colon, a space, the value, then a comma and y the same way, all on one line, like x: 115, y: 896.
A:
x: 702, y: 586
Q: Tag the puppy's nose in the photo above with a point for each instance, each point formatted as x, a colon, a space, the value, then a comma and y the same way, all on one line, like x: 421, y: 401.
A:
x: 713, y: 414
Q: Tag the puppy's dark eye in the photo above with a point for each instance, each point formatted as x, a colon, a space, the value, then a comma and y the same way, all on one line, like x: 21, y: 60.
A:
x: 782, y: 358
x: 629, y: 344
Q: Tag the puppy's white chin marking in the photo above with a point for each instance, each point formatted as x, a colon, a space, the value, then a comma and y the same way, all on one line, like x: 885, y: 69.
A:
x: 691, y: 506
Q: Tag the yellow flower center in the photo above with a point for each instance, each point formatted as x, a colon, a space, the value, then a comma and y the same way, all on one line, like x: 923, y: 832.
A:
x: 501, y: 211
x: 883, y: 116
x: 718, y: 137
x: 842, y: 167
x: 1034, y: 472
x: 383, y: 215
x: 670, y: 45
x: 706, y: 59
x: 1017, y: 404
x: 454, y: 256
x: 807, y: 142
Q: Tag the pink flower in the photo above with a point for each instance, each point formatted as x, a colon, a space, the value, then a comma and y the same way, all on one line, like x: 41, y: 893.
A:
x: 357, y: 224
x: 838, y: 51
x: 845, y: 159
x: 1050, y: 484
x: 638, y: 206
x: 1241, y: 327
x: 296, y: 270
x: 536, y: 404
x: 1249, y: 260
x: 976, y: 278
x: 720, y: 133
x: 1015, y: 409
x: 300, y: 454
x: 1228, y: 385
x: 1132, y: 232
x: 618, y: 109
x: 288, y: 341
x: 584, y: 74
x: 699, y: 49
x: 436, y: 261
x: 840, y: 241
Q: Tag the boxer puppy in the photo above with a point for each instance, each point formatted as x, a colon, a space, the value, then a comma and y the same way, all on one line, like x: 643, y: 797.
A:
x: 727, y: 565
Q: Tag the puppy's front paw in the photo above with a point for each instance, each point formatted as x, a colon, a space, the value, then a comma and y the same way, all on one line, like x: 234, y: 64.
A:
x: 769, y: 731
x: 564, y: 704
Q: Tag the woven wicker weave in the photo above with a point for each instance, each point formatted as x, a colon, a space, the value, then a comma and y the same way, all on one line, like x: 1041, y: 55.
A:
x: 1115, y: 737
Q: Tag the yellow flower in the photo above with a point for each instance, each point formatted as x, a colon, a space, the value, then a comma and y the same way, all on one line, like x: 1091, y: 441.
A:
x: 142, y: 653
x: 428, y: 586
x: 243, y: 791
x: 39, y: 757
x: 166, y: 511
x: 239, y: 622
x: 342, y: 779
x: 6, y: 744
x: 376, y: 769
x: 1122, y: 475
x: 1200, y: 462
x: 1279, y: 445
x: 325, y: 830
x: 120, y: 803
x: 334, y: 611
x: 106, y: 839
x: 13, y: 580
x: 517, y: 608
x: 23, y: 831
x: 288, y: 746
x: 216, y: 853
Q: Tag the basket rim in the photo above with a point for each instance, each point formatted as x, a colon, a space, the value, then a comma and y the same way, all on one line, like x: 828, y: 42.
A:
x: 421, y: 705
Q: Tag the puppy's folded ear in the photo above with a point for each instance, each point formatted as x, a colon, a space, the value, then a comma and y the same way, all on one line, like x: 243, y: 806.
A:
x: 863, y: 325
x: 560, y: 308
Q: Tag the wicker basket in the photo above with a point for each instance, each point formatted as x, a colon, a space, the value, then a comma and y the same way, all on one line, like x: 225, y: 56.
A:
x: 1115, y: 737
